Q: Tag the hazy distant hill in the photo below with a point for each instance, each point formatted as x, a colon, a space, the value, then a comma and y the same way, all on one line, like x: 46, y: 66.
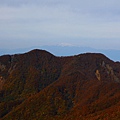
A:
x: 40, y: 86
x: 66, y: 51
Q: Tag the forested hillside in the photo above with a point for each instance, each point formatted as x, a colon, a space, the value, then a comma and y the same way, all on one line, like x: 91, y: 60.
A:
x: 40, y: 86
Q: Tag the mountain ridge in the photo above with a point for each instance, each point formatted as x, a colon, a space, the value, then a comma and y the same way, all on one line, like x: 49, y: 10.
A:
x: 38, y: 85
x: 66, y: 51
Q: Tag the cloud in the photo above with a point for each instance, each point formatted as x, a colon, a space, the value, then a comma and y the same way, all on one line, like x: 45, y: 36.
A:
x: 59, y: 21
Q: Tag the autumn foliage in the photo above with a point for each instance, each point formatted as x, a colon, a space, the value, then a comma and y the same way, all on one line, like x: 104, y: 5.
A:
x: 40, y: 86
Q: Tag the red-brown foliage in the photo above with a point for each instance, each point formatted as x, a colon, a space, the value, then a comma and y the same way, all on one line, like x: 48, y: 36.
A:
x: 40, y: 86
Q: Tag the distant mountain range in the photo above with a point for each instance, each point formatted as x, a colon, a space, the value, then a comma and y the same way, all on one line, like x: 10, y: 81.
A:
x: 37, y: 85
x: 66, y: 51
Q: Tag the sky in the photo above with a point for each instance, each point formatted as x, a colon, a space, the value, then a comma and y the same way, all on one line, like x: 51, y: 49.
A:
x: 86, y: 23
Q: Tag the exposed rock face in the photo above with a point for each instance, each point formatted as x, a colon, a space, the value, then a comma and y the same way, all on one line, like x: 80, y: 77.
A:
x: 97, y: 73
x: 110, y: 72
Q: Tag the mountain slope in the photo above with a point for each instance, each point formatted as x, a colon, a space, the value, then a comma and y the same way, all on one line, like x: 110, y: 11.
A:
x: 39, y: 86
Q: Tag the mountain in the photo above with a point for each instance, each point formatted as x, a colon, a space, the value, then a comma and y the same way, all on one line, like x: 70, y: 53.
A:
x: 60, y: 50
x: 40, y: 86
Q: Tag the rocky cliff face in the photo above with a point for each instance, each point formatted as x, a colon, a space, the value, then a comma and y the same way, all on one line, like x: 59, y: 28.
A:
x: 39, y: 85
x: 108, y: 71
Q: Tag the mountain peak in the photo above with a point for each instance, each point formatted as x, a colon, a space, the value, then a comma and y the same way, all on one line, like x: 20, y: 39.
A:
x: 61, y: 88
x: 38, y: 51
